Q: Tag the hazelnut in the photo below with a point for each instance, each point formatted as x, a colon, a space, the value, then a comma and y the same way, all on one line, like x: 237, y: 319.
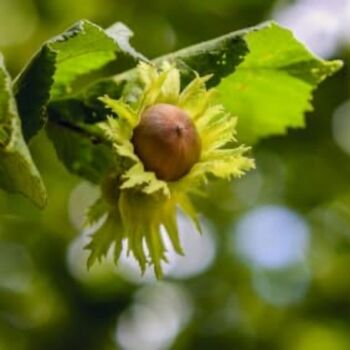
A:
x: 166, y: 141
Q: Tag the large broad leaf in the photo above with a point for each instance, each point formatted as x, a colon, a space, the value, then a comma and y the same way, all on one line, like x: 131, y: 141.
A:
x: 55, y: 71
x: 264, y: 75
x: 17, y: 170
x: 272, y: 88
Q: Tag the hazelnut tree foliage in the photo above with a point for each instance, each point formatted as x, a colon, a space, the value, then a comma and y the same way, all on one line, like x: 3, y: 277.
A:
x: 261, y: 79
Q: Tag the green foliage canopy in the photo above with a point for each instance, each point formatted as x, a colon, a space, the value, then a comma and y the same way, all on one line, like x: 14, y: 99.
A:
x: 262, y: 74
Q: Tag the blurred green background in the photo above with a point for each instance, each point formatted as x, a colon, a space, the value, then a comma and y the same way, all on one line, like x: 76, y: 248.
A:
x: 271, y: 270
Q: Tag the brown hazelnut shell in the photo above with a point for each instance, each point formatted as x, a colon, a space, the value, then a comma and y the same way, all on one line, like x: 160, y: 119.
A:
x: 166, y: 141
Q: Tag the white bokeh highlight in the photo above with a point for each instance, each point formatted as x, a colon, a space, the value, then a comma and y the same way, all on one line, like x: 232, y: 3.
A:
x: 80, y: 199
x: 323, y: 25
x: 271, y: 237
x: 159, y: 312
x: 274, y: 242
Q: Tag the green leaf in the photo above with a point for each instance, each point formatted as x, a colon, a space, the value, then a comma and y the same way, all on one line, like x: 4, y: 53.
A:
x: 272, y: 88
x: 79, y: 51
x: 63, y: 65
x: 218, y: 57
x: 17, y: 170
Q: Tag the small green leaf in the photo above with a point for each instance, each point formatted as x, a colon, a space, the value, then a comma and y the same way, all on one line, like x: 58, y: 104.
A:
x: 63, y: 65
x: 95, y: 212
x: 170, y: 224
x: 156, y: 249
x: 81, y: 50
x: 17, y: 170
x: 109, y: 235
x: 147, y: 180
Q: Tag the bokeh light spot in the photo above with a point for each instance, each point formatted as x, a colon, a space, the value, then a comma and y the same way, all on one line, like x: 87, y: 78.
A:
x: 341, y: 126
x: 159, y: 313
x: 271, y: 237
x: 321, y: 24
